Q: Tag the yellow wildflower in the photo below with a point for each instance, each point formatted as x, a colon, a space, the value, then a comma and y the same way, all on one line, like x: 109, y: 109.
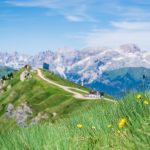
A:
x: 93, y: 127
x: 109, y: 126
x: 122, y: 123
x: 145, y: 102
x: 139, y: 96
x: 79, y: 126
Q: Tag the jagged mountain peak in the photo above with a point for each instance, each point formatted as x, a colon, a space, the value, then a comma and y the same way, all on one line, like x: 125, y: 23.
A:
x: 130, y: 48
x: 93, y: 60
x: 87, y: 64
x: 93, y: 50
x: 65, y: 50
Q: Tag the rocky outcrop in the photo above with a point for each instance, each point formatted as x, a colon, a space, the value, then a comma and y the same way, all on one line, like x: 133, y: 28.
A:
x: 20, y: 114
x: 10, y: 112
x: 23, y: 113
x: 25, y: 75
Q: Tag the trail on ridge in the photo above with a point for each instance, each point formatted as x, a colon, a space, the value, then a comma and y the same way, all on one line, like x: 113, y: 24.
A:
x: 69, y: 89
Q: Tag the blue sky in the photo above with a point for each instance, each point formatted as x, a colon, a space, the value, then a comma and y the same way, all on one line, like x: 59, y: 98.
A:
x: 29, y: 26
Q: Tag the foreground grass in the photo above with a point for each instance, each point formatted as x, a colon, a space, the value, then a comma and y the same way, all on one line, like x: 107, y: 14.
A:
x: 92, y: 127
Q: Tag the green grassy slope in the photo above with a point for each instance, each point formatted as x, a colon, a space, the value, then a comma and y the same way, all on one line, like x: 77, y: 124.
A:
x: 40, y: 96
x: 79, y: 124
x: 99, y: 129
x: 62, y: 81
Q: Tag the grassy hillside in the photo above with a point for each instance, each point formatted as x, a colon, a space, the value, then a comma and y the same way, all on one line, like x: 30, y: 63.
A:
x: 62, y: 81
x: 79, y: 124
x: 109, y: 126
x: 40, y: 96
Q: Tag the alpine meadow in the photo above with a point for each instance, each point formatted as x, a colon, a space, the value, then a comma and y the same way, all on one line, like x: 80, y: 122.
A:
x: 74, y: 75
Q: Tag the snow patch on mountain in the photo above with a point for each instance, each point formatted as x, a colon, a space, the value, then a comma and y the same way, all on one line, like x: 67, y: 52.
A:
x: 87, y: 64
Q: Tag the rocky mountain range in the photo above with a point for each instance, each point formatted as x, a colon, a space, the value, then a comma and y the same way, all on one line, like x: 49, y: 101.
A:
x: 86, y: 65
x: 122, y: 81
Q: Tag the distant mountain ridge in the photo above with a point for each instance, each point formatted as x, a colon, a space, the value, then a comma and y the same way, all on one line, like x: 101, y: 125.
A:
x: 123, y: 81
x: 70, y: 59
x: 87, y: 65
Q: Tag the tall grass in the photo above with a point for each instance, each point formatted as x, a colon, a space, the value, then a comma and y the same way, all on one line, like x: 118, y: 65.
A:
x: 99, y: 129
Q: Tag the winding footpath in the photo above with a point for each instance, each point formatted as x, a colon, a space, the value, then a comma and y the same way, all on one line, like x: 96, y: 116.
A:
x: 70, y: 89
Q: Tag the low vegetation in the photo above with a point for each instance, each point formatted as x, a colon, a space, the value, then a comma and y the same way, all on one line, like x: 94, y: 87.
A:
x: 79, y: 125
x: 122, y: 125
x: 41, y: 96
x: 62, y: 81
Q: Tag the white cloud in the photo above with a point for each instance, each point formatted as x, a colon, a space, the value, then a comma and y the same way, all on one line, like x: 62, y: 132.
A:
x: 132, y: 25
x: 74, y: 18
x: 126, y: 11
x: 135, y: 13
x: 135, y: 27
x: 74, y: 10
x: 36, y: 3
x: 83, y: 8
x: 115, y: 37
x: 49, y: 3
